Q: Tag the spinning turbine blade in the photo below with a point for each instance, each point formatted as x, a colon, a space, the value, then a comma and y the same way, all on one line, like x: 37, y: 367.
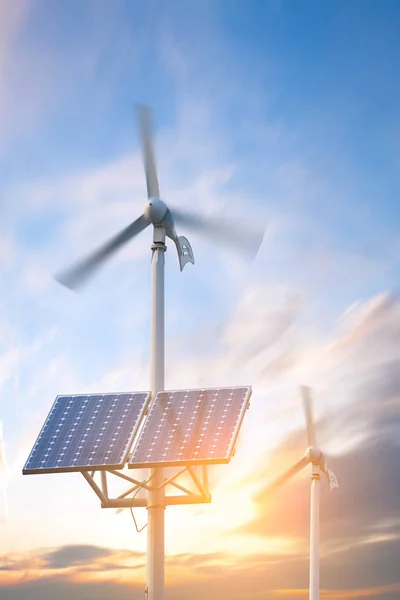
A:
x: 228, y: 232
x: 76, y: 276
x: 288, y: 474
x: 307, y: 405
x: 144, y: 115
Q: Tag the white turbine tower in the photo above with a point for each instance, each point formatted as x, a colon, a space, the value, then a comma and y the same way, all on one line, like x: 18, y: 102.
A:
x: 163, y: 219
x: 314, y: 456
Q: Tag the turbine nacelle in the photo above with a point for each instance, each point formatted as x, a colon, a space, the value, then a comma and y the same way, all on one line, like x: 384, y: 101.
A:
x: 158, y: 214
x: 314, y: 455
x: 155, y: 211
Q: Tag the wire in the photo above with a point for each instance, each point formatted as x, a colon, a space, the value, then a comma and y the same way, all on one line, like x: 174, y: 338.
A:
x: 135, y: 522
x: 131, y: 507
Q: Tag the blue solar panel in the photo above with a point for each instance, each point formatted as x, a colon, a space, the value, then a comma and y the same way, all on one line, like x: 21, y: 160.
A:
x: 87, y: 432
x: 191, y: 427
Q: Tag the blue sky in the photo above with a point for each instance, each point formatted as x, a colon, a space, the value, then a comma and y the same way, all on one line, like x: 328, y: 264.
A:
x: 275, y: 110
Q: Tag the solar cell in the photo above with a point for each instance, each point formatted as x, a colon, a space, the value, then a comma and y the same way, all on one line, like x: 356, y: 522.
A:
x: 87, y: 432
x: 191, y: 427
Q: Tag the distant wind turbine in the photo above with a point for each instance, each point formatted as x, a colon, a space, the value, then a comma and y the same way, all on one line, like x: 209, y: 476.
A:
x: 314, y: 456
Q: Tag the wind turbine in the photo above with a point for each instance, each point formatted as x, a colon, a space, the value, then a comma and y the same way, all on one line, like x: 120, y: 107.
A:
x: 314, y: 456
x: 157, y: 213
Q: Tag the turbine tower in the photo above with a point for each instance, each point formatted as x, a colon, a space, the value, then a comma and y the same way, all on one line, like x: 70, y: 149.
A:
x: 314, y: 456
x: 52, y: 453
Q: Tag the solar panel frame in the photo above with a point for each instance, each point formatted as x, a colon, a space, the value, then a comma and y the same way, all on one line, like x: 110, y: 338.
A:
x: 136, y: 464
x: 93, y: 467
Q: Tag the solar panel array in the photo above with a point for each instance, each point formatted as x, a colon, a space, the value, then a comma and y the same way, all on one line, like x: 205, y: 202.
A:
x: 87, y: 432
x: 191, y: 427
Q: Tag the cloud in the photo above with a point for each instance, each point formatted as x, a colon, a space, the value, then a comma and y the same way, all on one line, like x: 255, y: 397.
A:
x: 9, y: 360
x: 263, y: 317
x: 89, y: 557
x: 74, y: 559
x: 3, y: 478
x: 12, y: 16
x: 254, y: 577
x: 371, y: 330
x: 6, y: 249
x: 69, y: 556
x: 51, y: 587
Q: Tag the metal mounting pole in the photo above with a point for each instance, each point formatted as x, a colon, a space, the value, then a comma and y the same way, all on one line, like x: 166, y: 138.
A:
x: 155, y: 498
x: 314, y: 534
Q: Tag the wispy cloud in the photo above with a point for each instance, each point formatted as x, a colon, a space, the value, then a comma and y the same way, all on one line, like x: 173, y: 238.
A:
x: 11, y: 19
x: 3, y: 478
x: 198, y: 575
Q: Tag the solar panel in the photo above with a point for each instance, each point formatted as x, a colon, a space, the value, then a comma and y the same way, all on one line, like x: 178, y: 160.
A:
x: 191, y: 427
x: 87, y: 432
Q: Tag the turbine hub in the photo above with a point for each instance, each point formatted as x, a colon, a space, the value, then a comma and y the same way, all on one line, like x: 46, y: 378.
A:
x: 155, y: 211
x: 314, y: 455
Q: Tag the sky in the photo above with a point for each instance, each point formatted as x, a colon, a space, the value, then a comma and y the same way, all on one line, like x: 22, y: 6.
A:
x: 270, y: 111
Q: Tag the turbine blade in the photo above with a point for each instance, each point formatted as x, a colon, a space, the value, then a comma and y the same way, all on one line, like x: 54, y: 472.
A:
x: 220, y: 229
x: 332, y: 479
x: 307, y: 405
x: 76, y: 276
x: 289, y: 473
x: 144, y: 116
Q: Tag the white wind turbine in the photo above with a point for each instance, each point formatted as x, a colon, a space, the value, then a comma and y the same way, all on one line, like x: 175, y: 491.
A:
x: 314, y: 456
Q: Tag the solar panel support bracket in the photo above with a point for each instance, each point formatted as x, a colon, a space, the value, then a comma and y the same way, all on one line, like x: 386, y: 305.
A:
x: 200, y: 496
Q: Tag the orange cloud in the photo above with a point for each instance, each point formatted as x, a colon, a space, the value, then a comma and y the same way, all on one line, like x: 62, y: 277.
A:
x: 61, y: 571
